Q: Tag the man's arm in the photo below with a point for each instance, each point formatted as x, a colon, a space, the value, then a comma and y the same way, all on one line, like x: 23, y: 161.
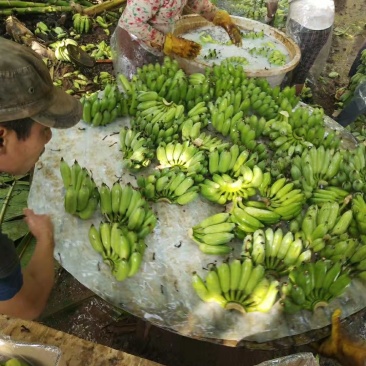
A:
x: 38, y: 276
x: 272, y: 6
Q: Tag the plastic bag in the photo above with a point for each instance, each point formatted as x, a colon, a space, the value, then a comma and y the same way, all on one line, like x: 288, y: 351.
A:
x: 33, y: 354
x: 299, y: 359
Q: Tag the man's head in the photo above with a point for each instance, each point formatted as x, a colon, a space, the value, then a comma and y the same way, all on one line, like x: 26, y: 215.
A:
x: 29, y: 105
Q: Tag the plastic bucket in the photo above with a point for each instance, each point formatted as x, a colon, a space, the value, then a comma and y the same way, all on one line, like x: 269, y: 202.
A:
x: 274, y: 75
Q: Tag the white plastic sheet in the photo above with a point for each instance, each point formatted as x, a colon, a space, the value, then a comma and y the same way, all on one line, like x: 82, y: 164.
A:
x: 161, y: 292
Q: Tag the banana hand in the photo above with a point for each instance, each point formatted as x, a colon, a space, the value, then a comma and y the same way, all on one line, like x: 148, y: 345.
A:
x: 222, y: 19
x: 181, y: 47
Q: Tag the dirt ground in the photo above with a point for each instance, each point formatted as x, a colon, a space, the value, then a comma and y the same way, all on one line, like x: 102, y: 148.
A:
x: 76, y: 310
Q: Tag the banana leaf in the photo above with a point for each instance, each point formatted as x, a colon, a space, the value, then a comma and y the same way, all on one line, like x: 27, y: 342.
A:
x: 13, y: 198
x: 25, y: 249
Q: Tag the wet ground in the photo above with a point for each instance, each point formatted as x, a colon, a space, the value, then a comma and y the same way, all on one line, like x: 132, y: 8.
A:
x: 76, y: 310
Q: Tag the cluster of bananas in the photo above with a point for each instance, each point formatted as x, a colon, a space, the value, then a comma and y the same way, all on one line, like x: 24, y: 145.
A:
x: 185, y: 156
x: 120, y: 248
x: 316, y: 167
x: 137, y: 150
x: 101, y: 51
x: 342, y: 248
x: 237, y: 60
x: 282, y: 197
x: 277, y: 252
x: 357, y: 262
x: 249, y: 219
x: 229, y: 161
x: 318, y: 225
x: 126, y: 206
x: 101, y: 111
x: 222, y: 188
x: 213, y: 234
x: 358, y: 225
x: 60, y: 49
x: 274, y: 57
x: 172, y: 186
x: 247, y: 131
x: 352, y: 172
x: 82, y: 23
x: 81, y: 196
x: 314, y: 285
x: 237, y: 285
x: 253, y: 34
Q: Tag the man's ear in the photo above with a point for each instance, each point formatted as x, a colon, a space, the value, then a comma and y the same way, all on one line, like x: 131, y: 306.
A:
x: 3, y: 133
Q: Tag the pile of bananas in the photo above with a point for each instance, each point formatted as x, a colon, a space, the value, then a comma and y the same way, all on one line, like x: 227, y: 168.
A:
x: 60, y: 49
x: 316, y: 168
x: 314, y: 285
x: 253, y: 35
x: 213, y: 234
x: 172, y: 186
x: 274, y: 57
x: 352, y: 172
x: 237, y: 285
x: 137, y: 150
x: 82, y: 23
x: 319, y: 225
x: 282, y: 197
x: 126, y: 206
x: 82, y: 195
x: 186, y: 157
x: 223, y: 188
x: 101, y: 111
x: 359, y: 215
x: 120, y: 248
x: 279, y: 253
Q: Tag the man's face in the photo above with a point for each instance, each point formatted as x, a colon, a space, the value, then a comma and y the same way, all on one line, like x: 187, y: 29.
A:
x: 19, y: 156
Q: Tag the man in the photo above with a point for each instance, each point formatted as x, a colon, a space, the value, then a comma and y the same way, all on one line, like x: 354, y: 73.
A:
x: 29, y: 106
x: 310, y: 24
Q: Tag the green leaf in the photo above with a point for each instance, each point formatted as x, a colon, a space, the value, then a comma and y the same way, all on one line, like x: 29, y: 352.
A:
x: 15, y: 229
x: 25, y: 249
x: 17, y: 200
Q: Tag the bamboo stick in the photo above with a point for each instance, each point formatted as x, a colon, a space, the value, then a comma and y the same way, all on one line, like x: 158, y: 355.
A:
x: 100, y: 8
x: 40, y: 10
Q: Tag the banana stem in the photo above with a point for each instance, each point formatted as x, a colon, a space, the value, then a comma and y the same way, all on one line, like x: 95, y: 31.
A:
x: 20, y: 4
x: 41, y: 10
x: 6, y: 202
x: 100, y: 8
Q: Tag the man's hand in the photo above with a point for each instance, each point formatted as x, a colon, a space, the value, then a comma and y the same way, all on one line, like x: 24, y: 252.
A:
x: 39, y: 225
x: 181, y: 47
x: 223, y: 19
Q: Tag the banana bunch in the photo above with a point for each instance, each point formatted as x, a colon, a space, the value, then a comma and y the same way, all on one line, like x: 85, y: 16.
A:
x: 223, y: 187
x: 329, y: 193
x: 249, y: 219
x: 320, y: 224
x: 103, y: 79
x: 357, y: 262
x: 352, y: 174
x: 101, y: 111
x: 128, y: 207
x: 153, y: 108
x: 42, y: 30
x: 103, y: 24
x: 248, y: 129
x: 253, y: 35
x: 277, y: 252
x: 314, y: 285
x: 213, y: 234
x: 183, y: 155
x: 315, y: 168
x: 282, y: 197
x: 137, y: 150
x: 101, y: 51
x: 279, y: 166
x: 81, y: 196
x: 169, y: 185
x: 228, y: 161
x: 120, y: 248
x: 340, y: 248
x: 191, y: 131
x: 236, y: 60
x: 359, y: 213
x: 237, y: 286
x: 276, y: 57
x: 60, y: 49
x: 82, y: 23
x: 226, y: 77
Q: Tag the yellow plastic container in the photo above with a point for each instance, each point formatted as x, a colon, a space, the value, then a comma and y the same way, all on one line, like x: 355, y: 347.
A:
x: 274, y: 75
